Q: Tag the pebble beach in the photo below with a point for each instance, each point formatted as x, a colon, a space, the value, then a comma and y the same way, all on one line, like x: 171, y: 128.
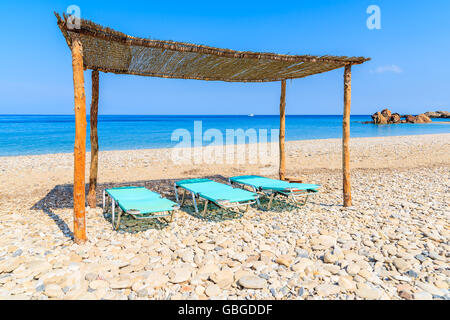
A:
x: 393, y: 243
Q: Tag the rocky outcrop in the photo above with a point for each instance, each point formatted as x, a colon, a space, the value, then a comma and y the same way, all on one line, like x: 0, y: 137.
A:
x: 438, y: 114
x: 422, y: 118
x: 409, y: 118
x: 387, y: 117
x: 386, y: 113
x: 395, y: 118
x: 379, y: 118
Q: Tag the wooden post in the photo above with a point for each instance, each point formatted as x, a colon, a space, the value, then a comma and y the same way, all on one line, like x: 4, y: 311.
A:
x: 282, y: 171
x: 346, y: 136
x: 92, y: 197
x: 79, y: 229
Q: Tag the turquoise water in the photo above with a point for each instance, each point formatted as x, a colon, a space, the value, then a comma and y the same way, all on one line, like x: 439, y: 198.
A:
x: 42, y: 134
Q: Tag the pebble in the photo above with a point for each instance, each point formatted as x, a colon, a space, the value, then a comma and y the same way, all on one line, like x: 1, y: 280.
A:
x: 327, y: 289
x: 401, y: 264
x: 17, y: 253
x: 302, y: 253
x: 252, y: 282
x: 302, y: 264
x: 90, y: 276
x: 156, y: 280
x: 412, y: 274
x: 422, y: 296
x: 353, y: 269
x: 420, y: 257
x: 405, y: 295
x: 223, y: 278
x: 40, y: 288
x: 98, y: 284
x: 346, y: 283
x: 391, y: 245
x: 53, y: 291
x: 329, y: 257
x: 284, y: 260
x: 441, y: 284
x: 368, y: 293
x: 142, y: 292
x: 212, y: 290
x: 430, y: 288
x: 325, y: 240
x: 179, y: 275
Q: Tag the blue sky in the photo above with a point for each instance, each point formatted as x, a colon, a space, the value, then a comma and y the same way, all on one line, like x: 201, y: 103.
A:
x: 409, y: 71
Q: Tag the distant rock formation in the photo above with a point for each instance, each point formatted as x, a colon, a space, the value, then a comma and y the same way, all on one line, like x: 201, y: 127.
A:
x: 387, y: 117
x: 396, y: 118
x: 422, y: 118
x: 410, y: 119
x: 386, y: 113
x: 379, y: 118
x: 437, y: 114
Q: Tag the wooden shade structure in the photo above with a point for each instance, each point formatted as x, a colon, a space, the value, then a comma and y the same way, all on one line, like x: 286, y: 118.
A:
x: 103, y: 49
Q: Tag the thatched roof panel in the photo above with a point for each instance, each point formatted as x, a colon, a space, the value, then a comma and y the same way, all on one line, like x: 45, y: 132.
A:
x: 110, y: 51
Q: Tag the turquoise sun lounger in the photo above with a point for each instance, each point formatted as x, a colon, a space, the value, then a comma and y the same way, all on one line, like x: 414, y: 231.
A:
x: 273, y: 187
x: 220, y: 194
x: 139, y: 202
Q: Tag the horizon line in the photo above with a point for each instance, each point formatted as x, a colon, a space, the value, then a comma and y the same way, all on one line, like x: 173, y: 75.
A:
x: 170, y: 115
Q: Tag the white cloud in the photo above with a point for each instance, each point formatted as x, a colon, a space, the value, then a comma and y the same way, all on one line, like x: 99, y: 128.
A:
x: 392, y: 68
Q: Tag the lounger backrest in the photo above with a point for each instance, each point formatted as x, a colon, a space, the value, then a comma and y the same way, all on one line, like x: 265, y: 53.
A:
x: 132, y: 193
x: 273, y: 184
x: 203, y: 185
x: 140, y: 199
x: 215, y: 191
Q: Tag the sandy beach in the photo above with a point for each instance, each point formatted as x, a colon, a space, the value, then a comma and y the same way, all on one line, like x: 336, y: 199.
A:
x: 392, y: 244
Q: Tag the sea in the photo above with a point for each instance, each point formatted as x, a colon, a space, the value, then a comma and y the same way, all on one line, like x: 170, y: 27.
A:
x: 45, y: 134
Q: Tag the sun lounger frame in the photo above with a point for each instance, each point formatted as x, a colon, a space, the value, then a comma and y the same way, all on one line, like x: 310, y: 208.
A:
x: 291, y: 194
x: 220, y: 204
x: 135, y: 214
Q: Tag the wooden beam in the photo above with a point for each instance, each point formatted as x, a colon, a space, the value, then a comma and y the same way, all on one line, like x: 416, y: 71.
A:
x: 92, y: 195
x: 79, y: 229
x: 282, y: 171
x: 346, y: 136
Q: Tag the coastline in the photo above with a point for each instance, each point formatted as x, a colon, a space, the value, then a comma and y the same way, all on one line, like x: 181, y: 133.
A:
x: 55, y: 134
x: 332, y: 140
x: 42, y: 172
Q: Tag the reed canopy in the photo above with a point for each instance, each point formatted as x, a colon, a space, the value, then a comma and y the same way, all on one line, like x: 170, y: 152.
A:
x: 102, y: 49
x: 107, y: 50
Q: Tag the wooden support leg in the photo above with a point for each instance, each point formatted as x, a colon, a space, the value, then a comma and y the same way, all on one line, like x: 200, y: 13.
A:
x: 92, y: 198
x: 79, y: 196
x: 346, y: 136
x: 282, y: 171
